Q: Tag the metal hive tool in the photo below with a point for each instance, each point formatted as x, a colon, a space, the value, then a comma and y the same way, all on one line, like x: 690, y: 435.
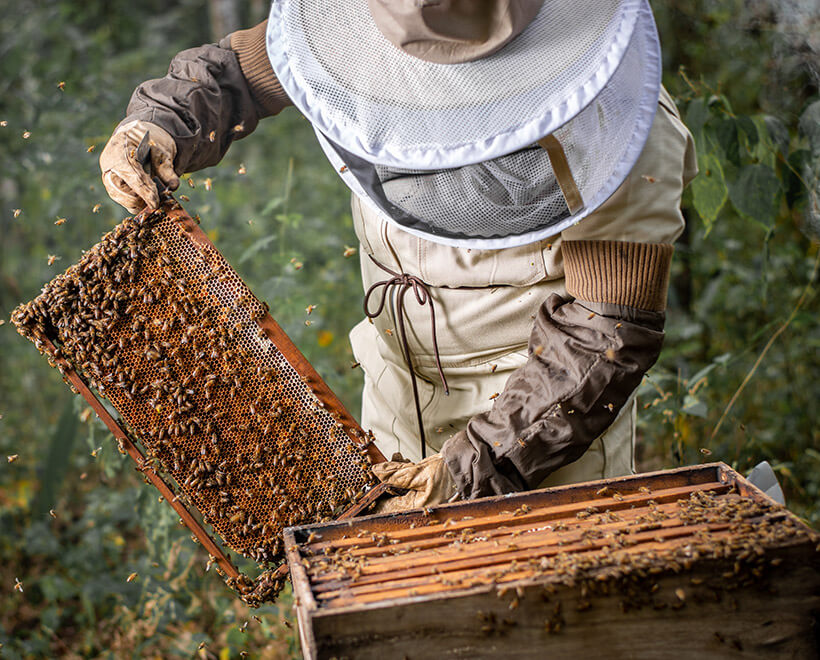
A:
x: 223, y: 404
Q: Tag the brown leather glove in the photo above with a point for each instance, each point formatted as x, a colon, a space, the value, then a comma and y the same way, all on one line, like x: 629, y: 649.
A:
x: 428, y: 483
x: 125, y: 180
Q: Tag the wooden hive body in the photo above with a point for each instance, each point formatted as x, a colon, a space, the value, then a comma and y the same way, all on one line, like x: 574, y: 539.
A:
x: 663, y: 565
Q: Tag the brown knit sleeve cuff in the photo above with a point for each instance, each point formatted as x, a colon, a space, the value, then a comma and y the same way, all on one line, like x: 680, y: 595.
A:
x: 250, y: 49
x: 631, y: 274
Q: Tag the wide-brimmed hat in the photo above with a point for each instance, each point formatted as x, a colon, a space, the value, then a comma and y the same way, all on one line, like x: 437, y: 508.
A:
x: 385, y: 84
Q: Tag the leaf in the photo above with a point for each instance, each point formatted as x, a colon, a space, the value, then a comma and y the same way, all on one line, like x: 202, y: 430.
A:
x: 765, y: 151
x: 809, y: 126
x: 256, y: 246
x: 756, y: 194
x: 55, y: 464
x: 709, y: 189
x: 726, y: 133
x: 272, y: 205
x: 694, y: 406
x: 696, y: 115
x: 778, y: 134
x: 694, y: 381
x: 747, y: 127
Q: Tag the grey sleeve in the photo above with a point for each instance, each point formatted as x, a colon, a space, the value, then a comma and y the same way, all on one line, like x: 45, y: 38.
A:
x: 203, y: 96
x: 211, y: 96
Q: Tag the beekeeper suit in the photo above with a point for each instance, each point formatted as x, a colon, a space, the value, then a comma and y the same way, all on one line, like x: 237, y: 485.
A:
x: 516, y: 170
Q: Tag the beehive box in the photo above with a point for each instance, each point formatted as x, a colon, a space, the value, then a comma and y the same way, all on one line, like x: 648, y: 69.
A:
x: 661, y: 565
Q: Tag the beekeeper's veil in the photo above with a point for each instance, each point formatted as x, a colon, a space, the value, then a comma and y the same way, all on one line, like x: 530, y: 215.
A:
x: 474, y: 123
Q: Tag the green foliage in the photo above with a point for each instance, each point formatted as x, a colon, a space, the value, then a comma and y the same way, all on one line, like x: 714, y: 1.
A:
x: 743, y: 307
x: 737, y: 378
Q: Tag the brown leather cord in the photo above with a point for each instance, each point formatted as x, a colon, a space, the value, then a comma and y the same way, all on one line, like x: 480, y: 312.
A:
x: 405, y: 282
x: 563, y: 173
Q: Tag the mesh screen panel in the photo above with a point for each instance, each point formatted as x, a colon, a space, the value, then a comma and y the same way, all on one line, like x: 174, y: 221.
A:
x: 508, y: 195
x: 157, y: 321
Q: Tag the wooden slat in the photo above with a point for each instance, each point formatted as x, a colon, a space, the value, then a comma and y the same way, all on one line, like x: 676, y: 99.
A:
x: 493, y: 519
x: 410, y: 579
x: 422, y: 550
x: 488, y: 552
x: 398, y: 551
x: 306, y: 604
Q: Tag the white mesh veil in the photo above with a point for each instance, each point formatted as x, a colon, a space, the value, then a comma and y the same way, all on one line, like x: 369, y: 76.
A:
x: 515, y: 199
x: 393, y: 109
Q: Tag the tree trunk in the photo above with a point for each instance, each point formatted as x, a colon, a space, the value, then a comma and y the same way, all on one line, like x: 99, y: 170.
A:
x: 224, y: 15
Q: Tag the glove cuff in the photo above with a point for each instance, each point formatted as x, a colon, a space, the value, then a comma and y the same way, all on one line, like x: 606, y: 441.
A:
x: 630, y: 274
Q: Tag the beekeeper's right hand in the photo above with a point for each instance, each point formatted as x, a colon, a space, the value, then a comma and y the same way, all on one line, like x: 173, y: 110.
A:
x: 124, y: 178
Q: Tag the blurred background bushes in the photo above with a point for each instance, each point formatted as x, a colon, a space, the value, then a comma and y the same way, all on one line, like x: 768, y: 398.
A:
x: 737, y: 382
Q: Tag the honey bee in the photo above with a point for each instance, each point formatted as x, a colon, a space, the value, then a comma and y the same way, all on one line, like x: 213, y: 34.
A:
x: 26, y: 135
x: 52, y: 258
x: 61, y: 85
x: 242, y: 169
x: 212, y: 136
x: 16, y: 212
x: 12, y: 458
x: 60, y: 221
x: 348, y: 251
x: 91, y: 149
x: 132, y: 577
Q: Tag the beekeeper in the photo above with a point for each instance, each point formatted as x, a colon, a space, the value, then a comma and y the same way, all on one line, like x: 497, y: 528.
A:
x: 516, y: 170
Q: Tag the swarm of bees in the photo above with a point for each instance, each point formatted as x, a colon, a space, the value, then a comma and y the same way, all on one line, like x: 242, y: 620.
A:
x: 162, y: 327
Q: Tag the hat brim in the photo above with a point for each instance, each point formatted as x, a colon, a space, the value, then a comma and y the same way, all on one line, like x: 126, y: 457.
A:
x: 393, y: 109
x: 602, y: 144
